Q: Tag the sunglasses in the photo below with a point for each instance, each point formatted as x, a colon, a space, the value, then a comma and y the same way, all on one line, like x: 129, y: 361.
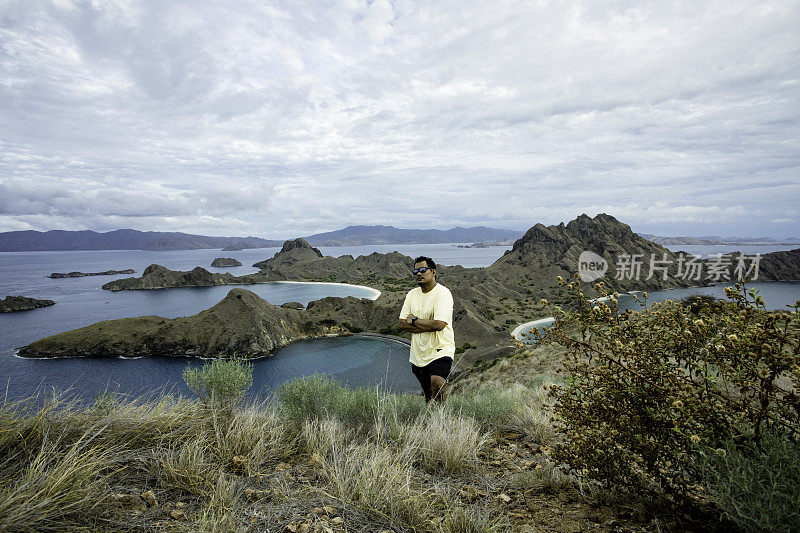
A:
x: 420, y: 270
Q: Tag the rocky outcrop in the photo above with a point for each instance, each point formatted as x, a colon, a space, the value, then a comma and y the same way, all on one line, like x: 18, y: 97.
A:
x: 545, y: 252
x: 293, y: 252
x: 13, y: 304
x: 299, y: 260
x: 293, y: 305
x: 159, y: 277
x: 225, y: 262
x: 84, y: 274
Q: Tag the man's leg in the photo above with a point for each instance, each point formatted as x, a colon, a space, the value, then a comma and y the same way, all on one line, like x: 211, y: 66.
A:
x: 438, y: 384
x: 424, y: 381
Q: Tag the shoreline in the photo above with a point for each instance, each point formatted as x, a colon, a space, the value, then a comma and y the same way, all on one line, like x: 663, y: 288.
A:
x: 375, y: 292
x: 515, y: 333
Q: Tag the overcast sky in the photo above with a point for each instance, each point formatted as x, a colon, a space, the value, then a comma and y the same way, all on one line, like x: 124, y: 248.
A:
x: 279, y: 119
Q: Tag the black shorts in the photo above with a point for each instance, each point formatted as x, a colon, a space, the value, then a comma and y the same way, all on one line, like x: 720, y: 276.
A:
x: 438, y: 367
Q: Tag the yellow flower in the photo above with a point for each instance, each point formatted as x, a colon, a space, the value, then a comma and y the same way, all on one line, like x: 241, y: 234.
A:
x: 733, y: 338
x: 699, y: 322
x: 695, y: 439
x: 616, y: 294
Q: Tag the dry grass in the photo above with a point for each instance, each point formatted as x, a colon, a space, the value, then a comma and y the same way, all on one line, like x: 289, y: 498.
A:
x: 443, y: 443
x: 61, y: 486
x: 390, y: 460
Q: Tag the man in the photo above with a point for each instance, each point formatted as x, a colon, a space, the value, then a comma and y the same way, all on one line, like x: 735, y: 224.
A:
x: 428, y: 315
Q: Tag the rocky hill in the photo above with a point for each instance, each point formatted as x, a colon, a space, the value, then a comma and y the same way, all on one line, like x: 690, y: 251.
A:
x: 780, y: 266
x: 299, y: 260
x: 545, y: 252
x: 220, y: 262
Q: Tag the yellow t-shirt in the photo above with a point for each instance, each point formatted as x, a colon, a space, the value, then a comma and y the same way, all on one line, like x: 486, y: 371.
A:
x: 436, y: 304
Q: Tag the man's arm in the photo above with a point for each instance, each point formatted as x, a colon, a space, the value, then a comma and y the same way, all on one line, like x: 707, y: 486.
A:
x: 420, y: 325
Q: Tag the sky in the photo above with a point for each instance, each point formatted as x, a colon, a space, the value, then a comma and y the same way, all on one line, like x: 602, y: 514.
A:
x: 280, y: 119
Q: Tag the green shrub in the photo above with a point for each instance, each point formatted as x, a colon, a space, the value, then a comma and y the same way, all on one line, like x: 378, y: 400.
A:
x: 646, y: 389
x: 320, y: 396
x: 224, y: 381
x: 757, y: 489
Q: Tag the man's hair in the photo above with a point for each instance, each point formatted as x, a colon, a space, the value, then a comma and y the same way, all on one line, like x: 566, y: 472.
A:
x: 431, y: 263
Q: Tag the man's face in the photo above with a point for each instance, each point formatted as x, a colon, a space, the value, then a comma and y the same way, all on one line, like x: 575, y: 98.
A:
x: 423, y: 277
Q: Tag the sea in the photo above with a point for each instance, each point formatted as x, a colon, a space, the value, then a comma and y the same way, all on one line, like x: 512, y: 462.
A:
x: 370, y: 362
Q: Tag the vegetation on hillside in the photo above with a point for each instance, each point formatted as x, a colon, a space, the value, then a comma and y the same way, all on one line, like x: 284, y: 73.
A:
x: 686, y: 400
x: 320, y: 457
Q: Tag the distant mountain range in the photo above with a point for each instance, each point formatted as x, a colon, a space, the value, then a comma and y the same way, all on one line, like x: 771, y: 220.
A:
x: 714, y: 240
x: 121, y: 239
x: 360, y: 235
x: 129, y: 239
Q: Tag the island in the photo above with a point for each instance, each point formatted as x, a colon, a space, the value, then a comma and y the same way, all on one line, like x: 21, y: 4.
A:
x: 13, y: 304
x: 225, y: 262
x: 84, y: 274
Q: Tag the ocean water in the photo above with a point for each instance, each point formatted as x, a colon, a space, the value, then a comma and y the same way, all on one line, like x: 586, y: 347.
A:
x: 358, y: 361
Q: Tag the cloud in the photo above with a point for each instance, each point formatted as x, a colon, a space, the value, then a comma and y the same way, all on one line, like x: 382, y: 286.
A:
x: 301, y: 117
